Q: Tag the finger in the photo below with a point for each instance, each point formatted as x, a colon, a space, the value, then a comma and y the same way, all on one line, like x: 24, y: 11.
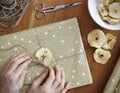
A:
x: 62, y: 84
x: 66, y: 87
x: 6, y: 68
x: 41, y: 78
x: 63, y: 77
x: 21, y: 68
x: 15, y: 64
x: 57, y: 77
x: 50, y: 78
x: 14, y: 58
x: 8, y: 64
x: 20, y: 81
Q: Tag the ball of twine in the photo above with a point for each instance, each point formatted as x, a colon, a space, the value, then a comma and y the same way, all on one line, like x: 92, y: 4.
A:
x: 6, y: 2
x: 11, y: 13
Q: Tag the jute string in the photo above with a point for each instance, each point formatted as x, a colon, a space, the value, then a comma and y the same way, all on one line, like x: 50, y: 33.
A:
x: 35, y: 59
x: 11, y: 15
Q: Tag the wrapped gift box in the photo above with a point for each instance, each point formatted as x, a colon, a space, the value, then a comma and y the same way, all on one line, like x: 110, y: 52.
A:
x: 65, y: 42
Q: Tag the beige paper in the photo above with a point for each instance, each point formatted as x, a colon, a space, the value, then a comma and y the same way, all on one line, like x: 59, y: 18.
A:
x: 112, y: 85
x: 65, y: 42
x: 117, y: 90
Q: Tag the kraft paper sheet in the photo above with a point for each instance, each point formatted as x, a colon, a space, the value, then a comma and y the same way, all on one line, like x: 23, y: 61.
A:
x: 65, y: 42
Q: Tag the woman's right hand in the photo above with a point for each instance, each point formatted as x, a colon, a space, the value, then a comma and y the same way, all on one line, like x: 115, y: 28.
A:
x: 51, y: 81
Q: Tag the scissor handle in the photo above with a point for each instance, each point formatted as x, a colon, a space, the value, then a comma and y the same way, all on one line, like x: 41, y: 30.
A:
x: 38, y: 7
x: 40, y: 15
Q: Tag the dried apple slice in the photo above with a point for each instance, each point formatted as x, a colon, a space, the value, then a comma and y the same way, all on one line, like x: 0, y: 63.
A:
x: 101, y: 56
x: 96, y: 38
x: 44, y: 55
x: 111, y: 40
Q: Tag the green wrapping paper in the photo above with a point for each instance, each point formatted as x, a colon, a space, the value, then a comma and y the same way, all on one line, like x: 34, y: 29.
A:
x: 113, y: 84
x: 117, y: 90
x: 65, y: 42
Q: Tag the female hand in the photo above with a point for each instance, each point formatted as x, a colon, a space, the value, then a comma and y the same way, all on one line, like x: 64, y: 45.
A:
x: 51, y: 81
x: 12, y: 75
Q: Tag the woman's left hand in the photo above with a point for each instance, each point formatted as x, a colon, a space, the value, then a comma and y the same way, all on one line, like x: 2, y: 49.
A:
x: 12, y: 75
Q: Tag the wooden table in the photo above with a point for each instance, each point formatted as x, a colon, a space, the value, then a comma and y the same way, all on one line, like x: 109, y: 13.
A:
x: 100, y: 73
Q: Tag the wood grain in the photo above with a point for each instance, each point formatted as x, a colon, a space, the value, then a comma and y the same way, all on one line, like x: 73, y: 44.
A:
x: 100, y: 73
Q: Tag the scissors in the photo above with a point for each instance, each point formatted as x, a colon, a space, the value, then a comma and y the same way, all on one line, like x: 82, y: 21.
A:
x: 41, y: 10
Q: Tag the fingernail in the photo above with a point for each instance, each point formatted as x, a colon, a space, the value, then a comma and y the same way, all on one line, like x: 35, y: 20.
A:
x: 46, y: 70
x: 56, y: 66
x: 49, y: 68
x: 62, y: 70
x: 67, y: 85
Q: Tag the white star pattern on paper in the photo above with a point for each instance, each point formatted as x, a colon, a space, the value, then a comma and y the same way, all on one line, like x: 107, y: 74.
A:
x: 61, y: 56
x: 72, y: 60
x: 15, y: 37
x: 46, y: 33
x: 22, y: 39
x: 53, y: 36
x: 15, y: 49
x: 81, y: 51
x: 59, y: 27
x: 62, y: 41
x: 29, y: 41
x: 78, y: 83
x: 83, y: 74
x: 70, y: 27
x: 73, y: 77
x: 74, y: 71
x: 9, y: 43
x: 72, y: 49
x: 79, y: 61
x: 51, y: 27
x: 38, y: 74
x: 53, y: 59
x: 61, y: 68
x: 2, y: 47
x: 35, y: 33
x: 72, y: 37
x: 29, y: 78
x: 113, y: 80
x: 76, y: 42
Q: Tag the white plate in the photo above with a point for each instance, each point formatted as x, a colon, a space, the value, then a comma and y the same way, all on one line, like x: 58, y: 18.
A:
x: 94, y: 12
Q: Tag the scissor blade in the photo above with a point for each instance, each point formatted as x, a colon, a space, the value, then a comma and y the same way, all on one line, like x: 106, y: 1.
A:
x: 59, y: 7
x: 76, y: 3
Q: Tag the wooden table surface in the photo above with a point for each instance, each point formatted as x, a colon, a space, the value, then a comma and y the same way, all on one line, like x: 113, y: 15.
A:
x: 100, y: 73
